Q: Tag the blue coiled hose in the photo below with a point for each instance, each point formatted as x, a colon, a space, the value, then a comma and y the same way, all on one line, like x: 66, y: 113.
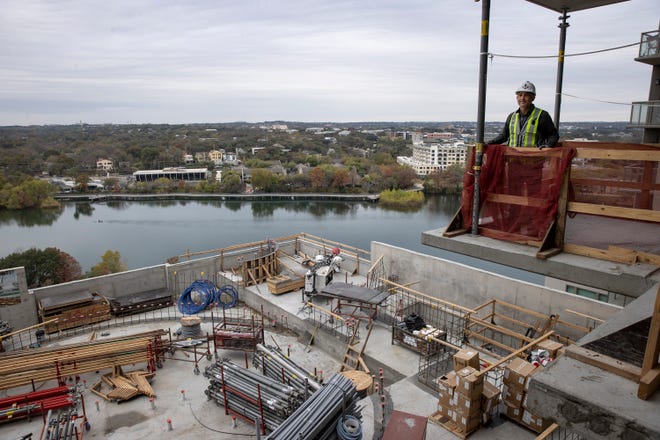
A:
x: 227, y: 289
x: 206, y: 294
x: 349, y: 428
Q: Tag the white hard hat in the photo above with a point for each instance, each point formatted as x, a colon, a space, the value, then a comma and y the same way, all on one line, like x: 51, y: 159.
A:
x: 527, y: 87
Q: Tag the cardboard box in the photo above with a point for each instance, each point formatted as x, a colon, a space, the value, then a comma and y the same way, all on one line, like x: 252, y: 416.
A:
x: 465, y: 405
x: 469, y: 384
x: 447, y: 383
x: 551, y: 347
x: 512, y: 412
x: 517, y: 372
x: 466, y: 358
x: 444, y: 399
x: 534, y: 422
x: 536, y: 370
x: 444, y: 411
x: 513, y: 396
x: 466, y: 424
x: 490, y: 397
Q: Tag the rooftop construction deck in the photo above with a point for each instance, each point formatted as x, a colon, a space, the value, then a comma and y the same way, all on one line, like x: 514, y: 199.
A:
x: 466, y: 308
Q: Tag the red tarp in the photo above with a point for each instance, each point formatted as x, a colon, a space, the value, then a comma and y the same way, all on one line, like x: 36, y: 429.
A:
x: 518, y: 190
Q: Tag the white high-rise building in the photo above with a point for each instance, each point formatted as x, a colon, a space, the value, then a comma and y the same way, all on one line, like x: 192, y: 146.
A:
x: 431, y: 156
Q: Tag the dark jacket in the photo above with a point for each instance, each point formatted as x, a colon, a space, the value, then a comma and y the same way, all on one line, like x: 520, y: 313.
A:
x: 546, y: 134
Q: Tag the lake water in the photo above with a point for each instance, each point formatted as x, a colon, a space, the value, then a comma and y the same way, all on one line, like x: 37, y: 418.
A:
x: 147, y: 233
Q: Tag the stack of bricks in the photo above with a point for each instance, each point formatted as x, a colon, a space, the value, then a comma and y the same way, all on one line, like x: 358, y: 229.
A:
x: 514, y: 395
x: 466, y: 400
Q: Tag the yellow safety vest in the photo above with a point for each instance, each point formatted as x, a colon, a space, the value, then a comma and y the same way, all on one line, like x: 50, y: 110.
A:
x: 526, y: 137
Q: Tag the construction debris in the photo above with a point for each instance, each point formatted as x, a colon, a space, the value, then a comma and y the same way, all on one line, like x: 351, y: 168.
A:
x: 120, y: 386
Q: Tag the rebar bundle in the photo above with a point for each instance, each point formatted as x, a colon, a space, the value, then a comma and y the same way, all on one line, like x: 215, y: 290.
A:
x: 317, y: 417
x: 251, y: 395
x: 276, y: 365
x: 63, y: 426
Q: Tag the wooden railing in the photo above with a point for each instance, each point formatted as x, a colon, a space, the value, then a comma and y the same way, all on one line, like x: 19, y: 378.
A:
x: 630, y: 192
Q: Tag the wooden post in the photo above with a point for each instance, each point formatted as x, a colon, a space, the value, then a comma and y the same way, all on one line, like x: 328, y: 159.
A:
x: 650, y: 377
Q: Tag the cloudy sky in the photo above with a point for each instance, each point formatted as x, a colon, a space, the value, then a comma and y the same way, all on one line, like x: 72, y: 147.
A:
x: 165, y: 61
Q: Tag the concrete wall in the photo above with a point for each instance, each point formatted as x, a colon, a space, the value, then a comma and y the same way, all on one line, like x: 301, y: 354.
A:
x: 23, y: 314
x: 470, y: 287
x: 113, y: 285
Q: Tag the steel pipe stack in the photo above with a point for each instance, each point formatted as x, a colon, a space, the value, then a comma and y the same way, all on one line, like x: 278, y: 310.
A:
x: 64, y: 426
x: 316, y: 418
x: 274, y: 364
x: 251, y: 395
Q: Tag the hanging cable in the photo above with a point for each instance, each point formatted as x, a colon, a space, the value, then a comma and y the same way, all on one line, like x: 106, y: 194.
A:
x: 597, y: 100
x: 492, y: 55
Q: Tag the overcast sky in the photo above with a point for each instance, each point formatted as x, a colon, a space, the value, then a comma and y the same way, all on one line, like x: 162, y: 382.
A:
x: 162, y: 61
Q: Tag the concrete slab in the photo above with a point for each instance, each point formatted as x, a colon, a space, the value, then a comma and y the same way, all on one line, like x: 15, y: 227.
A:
x: 632, y: 280
x: 593, y: 402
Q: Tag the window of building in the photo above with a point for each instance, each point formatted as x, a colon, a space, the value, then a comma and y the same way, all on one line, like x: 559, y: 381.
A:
x: 580, y: 291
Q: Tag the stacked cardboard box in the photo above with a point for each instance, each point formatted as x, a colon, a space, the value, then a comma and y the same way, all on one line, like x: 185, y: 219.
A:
x: 514, y: 394
x: 552, y: 347
x: 466, y: 358
x: 465, y: 398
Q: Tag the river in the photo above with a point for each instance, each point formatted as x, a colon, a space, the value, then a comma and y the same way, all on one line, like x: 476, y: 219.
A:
x: 147, y: 233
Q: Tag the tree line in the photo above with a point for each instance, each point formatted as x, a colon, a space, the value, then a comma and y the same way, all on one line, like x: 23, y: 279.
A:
x: 45, y: 267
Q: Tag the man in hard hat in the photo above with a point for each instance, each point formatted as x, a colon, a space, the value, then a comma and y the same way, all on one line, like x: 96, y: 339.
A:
x: 529, y: 126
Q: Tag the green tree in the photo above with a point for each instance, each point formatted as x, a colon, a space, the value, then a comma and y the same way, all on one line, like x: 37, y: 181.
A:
x: 231, y: 183
x: 44, y: 267
x: 264, y: 180
x: 81, y: 182
x: 110, y: 263
x: 163, y: 185
x: 30, y: 193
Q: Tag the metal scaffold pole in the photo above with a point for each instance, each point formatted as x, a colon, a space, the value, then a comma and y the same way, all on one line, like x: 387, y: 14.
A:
x: 560, y: 65
x: 481, y: 112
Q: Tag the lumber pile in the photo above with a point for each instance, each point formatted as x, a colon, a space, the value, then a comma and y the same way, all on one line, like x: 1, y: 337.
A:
x: 283, y: 283
x: 43, y: 364
x: 119, y: 386
x: 73, y: 309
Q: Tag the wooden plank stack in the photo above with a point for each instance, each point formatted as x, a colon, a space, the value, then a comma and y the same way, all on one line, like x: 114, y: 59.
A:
x: 283, y: 283
x: 43, y: 364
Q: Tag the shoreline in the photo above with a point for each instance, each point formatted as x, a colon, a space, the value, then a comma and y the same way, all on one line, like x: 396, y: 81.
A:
x: 372, y: 198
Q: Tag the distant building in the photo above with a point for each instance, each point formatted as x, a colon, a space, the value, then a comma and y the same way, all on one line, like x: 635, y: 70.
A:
x: 431, y: 156
x: 201, y: 156
x: 104, y: 164
x: 188, y: 158
x: 186, y: 174
x: 216, y: 156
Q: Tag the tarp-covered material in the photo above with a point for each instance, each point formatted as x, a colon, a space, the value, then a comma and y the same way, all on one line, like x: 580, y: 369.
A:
x: 519, y: 191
